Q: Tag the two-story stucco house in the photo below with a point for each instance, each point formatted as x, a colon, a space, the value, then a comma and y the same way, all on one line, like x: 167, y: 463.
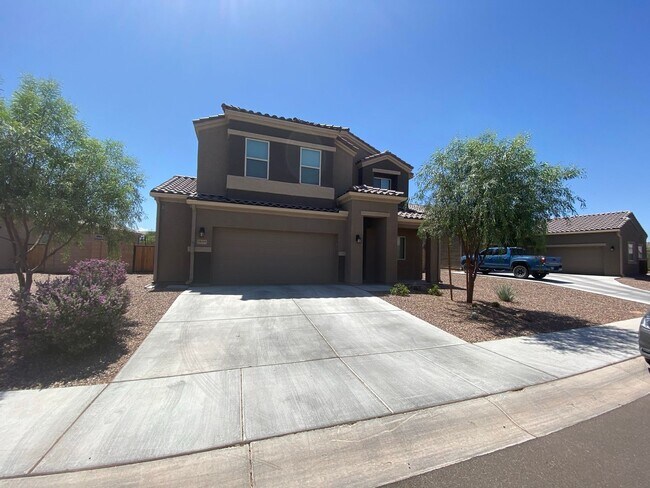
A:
x: 285, y: 201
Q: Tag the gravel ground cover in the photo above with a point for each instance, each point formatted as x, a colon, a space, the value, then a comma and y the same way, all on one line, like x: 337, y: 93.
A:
x: 641, y: 282
x: 537, y: 307
x: 21, y: 370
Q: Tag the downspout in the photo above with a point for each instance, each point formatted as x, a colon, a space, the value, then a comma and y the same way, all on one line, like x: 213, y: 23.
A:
x: 620, y: 253
x: 155, y: 255
x: 192, y: 246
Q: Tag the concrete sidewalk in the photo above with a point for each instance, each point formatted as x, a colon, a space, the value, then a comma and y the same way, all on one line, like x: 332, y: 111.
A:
x: 382, y: 450
x: 306, y: 358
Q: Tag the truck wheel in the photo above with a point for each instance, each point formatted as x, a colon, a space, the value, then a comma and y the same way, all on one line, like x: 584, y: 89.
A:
x: 539, y: 276
x: 485, y: 271
x: 520, y: 271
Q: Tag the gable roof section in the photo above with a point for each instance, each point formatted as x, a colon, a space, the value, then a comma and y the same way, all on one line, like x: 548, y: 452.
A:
x: 177, y: 185
x: 375, y: 158
x: 589, y: 223
x: 344, y: 132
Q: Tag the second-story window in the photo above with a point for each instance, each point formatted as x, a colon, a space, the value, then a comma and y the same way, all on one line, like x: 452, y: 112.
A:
x: 257, y: 158
x: 381, y: 182
x: 309, y: 166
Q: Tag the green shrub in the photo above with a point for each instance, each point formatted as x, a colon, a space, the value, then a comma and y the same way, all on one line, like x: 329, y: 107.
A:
x: 400, y: 289
x: 434, y: 290
x: 505, y: 293
x: 76, y: 313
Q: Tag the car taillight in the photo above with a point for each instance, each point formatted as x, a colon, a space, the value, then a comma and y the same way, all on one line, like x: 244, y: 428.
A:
x: 543, y: 259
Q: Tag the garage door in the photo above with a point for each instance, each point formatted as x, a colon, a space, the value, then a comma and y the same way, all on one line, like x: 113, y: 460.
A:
x: 255, y: 257
x: 580, y: 260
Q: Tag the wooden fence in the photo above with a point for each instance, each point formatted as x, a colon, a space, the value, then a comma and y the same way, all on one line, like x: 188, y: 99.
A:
x: 143, y: 258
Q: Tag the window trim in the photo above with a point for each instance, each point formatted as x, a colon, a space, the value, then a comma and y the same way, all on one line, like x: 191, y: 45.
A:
x: 633, y: 254
x: 401, y: 244
x: 246, y: 158
x: 641, y: 255
x: 390, y: 182
x: 320, y: 165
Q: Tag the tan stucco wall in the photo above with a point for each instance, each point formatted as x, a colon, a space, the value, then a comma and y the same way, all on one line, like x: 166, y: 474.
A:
x: 173, y: 238
x: 212, y: 160
x: 632, y: 232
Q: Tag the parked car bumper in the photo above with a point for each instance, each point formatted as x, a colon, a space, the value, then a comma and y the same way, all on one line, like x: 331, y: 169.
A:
x: 644, y: 336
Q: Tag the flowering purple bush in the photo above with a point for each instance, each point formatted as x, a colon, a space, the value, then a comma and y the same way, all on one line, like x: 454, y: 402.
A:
x: 101, y: 272
x: 75, y: 313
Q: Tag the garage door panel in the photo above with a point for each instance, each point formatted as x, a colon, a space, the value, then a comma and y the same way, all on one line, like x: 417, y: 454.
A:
x: 247, y: 256
x: 580, y: 260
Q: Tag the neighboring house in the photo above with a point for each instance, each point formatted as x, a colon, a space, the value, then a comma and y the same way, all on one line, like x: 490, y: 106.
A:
x: 285, y: 201
x: 611, y: 243
x: 92, y: 246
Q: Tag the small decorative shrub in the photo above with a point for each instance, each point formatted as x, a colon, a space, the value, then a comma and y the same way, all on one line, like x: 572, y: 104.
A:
x: 435, y: 291
x: 399, y: 289
x: 495, y: 304
x: 76, y: 313
x: 505, y: 293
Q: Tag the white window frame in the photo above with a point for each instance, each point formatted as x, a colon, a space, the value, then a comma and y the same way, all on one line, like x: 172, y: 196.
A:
x: 246, y: 158
x: 401, y: 244
x: 633, y: 253
x: 320, y: 165
x: 390, y: 181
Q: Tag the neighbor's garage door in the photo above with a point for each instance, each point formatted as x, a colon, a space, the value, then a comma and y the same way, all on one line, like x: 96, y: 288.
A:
x: 257, y: 257
x: 580, y: 260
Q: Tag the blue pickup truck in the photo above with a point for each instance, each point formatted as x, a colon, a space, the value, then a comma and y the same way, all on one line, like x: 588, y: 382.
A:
x: 516, y: 259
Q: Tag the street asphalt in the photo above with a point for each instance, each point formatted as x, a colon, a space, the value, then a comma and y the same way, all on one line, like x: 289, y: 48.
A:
x: 610, y: 450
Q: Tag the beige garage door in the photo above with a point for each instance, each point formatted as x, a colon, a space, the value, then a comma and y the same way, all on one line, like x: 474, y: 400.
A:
x: 580, y: 260
x: 255, y: 257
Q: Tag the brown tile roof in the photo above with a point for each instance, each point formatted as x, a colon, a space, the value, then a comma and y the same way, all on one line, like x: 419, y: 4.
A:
x: 349, y: 134
x: 384, y: 153
x: 225, y: 107
x: 412, y: 211
x: 587, y: 223
x: 376, y: 191
x: 177, y: 185
x: 216, y: 198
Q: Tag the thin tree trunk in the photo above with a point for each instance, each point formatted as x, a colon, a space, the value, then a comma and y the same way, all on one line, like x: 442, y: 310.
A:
x: 451, y: 285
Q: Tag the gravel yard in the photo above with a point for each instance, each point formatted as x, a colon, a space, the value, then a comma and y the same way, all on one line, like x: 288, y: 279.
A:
x: 537, y: 307
x: 642, y: 282
x: 20, y: 371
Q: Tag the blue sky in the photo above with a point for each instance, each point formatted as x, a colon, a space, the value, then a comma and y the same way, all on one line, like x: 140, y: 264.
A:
x: 405, y: 76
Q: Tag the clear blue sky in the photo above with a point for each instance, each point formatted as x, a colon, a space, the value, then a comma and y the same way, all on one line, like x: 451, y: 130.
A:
x: 405, y: 76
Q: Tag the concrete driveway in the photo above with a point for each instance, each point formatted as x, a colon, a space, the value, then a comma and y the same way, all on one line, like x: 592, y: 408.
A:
x: 602, y: 285
x: 228, y: 365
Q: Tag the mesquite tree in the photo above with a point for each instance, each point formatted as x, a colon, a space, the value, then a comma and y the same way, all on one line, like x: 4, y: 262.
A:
x: 490, y: 191
x: 56, y: 182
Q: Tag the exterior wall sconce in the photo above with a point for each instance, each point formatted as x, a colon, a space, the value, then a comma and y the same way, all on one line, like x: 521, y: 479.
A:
x: 202, y: 232
x: 358, y: 239
x: 611, y: 248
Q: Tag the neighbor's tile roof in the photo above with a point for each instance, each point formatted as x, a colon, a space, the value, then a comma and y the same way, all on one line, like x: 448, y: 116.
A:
x: 376, y: 191
x: 216, y: 198
x: 177, y: 185
x: 586, y: 223
x: 383, y: 153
